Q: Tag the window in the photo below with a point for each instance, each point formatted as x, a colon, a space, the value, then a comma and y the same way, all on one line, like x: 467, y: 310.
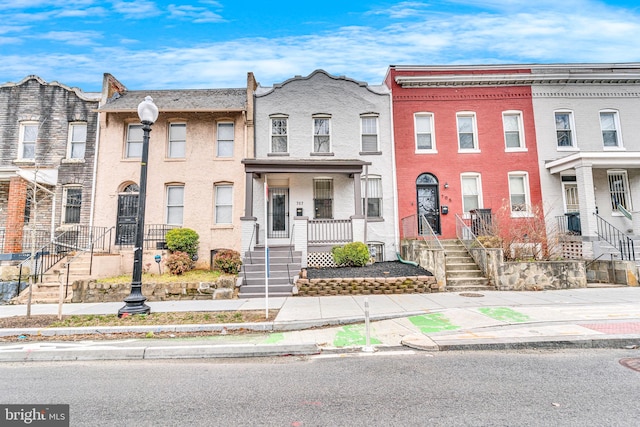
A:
x: 619, y: 190
x: 471, y: 196
x: 321, y: 136
x: 610, y: 125
x: 372, y: 194
x: 175, y: 204
x: 27, y: 144
x: 134, y: 141
x: 177, y: 140
x: 564, y: 126
x: 467, y: 133
x: 224, y: 204
x: 519, y: 193
x: 77, y: 140
x: 279, y: 136
x: 225, y: 140
x: 513, y: 132
x: 323, y: 198
x: 424, y: 132
x: 72, y: 202
x: 369, y: 125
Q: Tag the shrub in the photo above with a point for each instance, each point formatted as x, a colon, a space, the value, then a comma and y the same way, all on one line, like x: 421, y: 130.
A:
x: 354, y: 254
x: 227, y: 261
x: 179, y: 262
x: 182, y: 240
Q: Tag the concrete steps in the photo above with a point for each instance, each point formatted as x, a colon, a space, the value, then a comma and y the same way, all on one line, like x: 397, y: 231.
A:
x: 284, y: 265
x: 462, y: 273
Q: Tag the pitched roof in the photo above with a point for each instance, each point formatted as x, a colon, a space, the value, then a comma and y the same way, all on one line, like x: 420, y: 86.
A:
x: 180, y: 100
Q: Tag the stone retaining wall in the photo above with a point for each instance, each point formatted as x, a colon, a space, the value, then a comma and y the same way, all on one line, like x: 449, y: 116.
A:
x: 367, y: 286
x: 93, y: 291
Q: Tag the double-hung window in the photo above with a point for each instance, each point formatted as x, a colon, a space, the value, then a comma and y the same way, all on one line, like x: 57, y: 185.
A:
x: 619, y: 190
x: 224, y: 204
x: 225, y: 139
x: 322, y: 134
x: 610, y: 126
x: 372, y: 196
x: 72, y: 204
x: 369, y: 129
x: 177, y: 140
x: 133, y: 147
x: 564, y: 129
x: 467, y: 132
x: 175, y: 204
x: 513, y: 132
x: 519, y: 195
x: 279, y: 134
x: 323, y: 198
x: 471, y: 192
x: 27, y: 143
x: 77, y: 140
x: 423, y: 124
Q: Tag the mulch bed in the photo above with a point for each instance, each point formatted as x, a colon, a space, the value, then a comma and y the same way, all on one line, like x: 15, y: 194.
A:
x: 378, y: 269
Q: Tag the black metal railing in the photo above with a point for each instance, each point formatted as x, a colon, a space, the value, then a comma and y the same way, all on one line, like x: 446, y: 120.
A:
x: 1, y: 240
x: 616, y: 238
x: 154, y: 235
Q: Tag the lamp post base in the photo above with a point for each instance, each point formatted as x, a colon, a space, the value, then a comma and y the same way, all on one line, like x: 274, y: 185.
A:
x: 134, y: 305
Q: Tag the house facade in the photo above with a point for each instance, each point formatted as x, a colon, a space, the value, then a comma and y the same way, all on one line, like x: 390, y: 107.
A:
x: 47, y: 161
x: 588, y: 136
x: 195, y: 176
x: 465, y: 146
x: 323, y: 171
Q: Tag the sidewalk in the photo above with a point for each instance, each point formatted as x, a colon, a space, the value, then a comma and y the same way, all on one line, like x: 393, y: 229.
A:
x: 592, y: 317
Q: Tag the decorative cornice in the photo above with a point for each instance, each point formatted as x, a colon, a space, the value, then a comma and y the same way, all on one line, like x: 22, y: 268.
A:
x: 451, y: 96
x: 538, y: 94
x: 382, y: 91
x: 85, y: 96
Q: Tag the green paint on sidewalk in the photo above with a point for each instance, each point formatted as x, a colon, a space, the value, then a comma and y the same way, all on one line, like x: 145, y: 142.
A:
x: 435, y: 322
x: 353, y: 335
x: 504, y: 314
x: 274, y: 338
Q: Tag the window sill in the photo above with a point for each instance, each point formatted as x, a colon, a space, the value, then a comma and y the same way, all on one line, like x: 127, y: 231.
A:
x: 371, y: 153
x: 277, y: 154
x: 322, y: 154
x: 521, y: 215
x: 222, y: 227
x: 71, y: 161
x: 426, y: 151
x: 224, y: 159
x: 24, y: 161
x: 516, y: 150
x: 468, y: 151
x: 375, y: 219
x: 175, y: 159
x: 614, y: 149
x: 568, y: 149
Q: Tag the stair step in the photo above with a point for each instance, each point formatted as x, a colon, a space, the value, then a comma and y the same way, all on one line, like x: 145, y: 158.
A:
x: 465, y: 274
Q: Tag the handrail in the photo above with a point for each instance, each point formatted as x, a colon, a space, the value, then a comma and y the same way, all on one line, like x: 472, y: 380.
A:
x: 425, y: 226
x: 91, y: 248
x: 290, y: 251
x: 470, y: 241
x: 619, y: 240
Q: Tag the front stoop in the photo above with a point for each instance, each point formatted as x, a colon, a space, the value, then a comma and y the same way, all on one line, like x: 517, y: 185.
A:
x: 284, y: 265
x: 462, y: 273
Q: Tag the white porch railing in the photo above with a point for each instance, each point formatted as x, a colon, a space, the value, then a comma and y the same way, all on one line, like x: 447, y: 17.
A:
x: 329, y: 231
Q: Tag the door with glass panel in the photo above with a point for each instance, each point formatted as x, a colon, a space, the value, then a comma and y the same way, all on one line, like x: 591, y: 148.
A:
x: 278, y: 212
x: 428, y: 206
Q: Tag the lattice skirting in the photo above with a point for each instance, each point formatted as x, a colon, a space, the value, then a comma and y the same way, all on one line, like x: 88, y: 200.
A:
x: 571, y: 250
x: 320, y: 259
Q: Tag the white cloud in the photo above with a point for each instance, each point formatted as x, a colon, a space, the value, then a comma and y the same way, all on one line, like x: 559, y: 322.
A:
x: 194, y: 14
x: 76, y: 38
x: 138, y: 9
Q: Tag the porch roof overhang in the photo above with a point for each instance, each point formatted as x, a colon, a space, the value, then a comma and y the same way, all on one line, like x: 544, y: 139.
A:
x: 279, y: 165
x: 7, y: 172
x: 597, y: 159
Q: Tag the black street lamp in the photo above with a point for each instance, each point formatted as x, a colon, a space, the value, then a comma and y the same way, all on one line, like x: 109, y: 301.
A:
x: 148, y: 113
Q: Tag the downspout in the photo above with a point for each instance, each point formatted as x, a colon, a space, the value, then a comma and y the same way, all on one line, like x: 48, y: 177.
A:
x: 94, y: 173
x: 393, y: 175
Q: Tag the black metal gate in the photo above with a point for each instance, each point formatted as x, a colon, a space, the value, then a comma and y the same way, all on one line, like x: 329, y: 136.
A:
x: 428, y: 202
x: 127, y: 217
x: 278, y: 211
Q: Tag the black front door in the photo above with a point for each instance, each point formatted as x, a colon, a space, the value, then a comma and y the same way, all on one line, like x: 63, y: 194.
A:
x: 127, y: 216
x: 428, y: 205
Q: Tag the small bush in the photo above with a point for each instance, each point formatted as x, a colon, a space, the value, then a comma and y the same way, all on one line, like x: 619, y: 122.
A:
x: 183, y: 240
x: 179, y: 262
x: 354, y: 254
x: 227, y: 261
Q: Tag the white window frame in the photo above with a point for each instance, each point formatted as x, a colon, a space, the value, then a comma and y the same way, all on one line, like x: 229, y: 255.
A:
x: 526, y: 212
x: 431, y: 132
x: 474, y: 132
x: 616, y: 124
x: 521, y: 139
x: 229, y: 143
x: 374, y: 193
x: 273, y: 136
x: 478, y: 183
x: 174, y: 206
x: 175, y: 142
x: 572, y: 131
x: 323, y: 117
x: 365, y: 132
x: 129, y: 143
x: 223, y: 205
x: 71, y: 143
x: 21, y: 143
x: 625, y: 192
x: 66, y: 204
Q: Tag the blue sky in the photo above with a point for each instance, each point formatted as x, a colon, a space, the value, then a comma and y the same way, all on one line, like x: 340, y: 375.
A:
x: 150, y: 44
